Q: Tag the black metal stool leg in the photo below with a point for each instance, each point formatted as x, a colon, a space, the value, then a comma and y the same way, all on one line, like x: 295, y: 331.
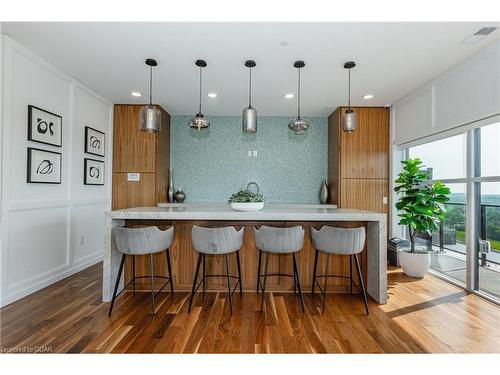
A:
x: 350, y: 273
x: 152, y: 270
x: 266, y: 263
x: 296, y: 271
x: 239, y: 271
x: 228, y: 285
x: 326, y: 282
x: 258, y: 270
x: 169, y: 267
x: 294, y: 277
x: 203, y: 275
x: 118, y: 277
x: 133, y: 271
x: 200, y: 255
x: 314, y: 270
x: 360, y: 275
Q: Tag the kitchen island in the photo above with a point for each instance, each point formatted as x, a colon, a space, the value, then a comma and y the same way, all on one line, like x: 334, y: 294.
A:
x: 184, y: 216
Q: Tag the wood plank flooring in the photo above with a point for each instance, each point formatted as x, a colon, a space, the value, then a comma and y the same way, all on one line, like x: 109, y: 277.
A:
x: 422, y: 316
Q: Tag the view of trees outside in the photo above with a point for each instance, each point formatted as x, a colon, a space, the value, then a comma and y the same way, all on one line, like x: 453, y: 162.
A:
x: 447, y: 160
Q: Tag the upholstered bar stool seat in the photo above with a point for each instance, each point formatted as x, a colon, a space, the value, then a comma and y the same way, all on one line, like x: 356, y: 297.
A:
x: 216, y: 241
x: 143, y: 241
x: 339, y: 241
x: 273, y: 240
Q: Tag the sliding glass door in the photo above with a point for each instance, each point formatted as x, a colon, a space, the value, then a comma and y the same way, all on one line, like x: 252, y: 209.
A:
x: 466, y: 248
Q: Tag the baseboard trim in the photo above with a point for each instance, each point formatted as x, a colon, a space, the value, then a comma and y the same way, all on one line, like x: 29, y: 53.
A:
x: 6, y: 300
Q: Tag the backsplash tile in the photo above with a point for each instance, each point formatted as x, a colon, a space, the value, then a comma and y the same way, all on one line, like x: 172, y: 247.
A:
x: 212, y: 164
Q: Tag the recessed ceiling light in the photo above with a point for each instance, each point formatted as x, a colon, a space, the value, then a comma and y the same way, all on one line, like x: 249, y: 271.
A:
x: 368, y: 96
x: 288, y: 95
x: 283, y: 43
x: 212, y: 94
x: 135, y: 93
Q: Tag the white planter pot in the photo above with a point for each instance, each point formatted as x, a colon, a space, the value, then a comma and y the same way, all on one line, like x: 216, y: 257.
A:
x: 415, y: 264
x: 247, y: 206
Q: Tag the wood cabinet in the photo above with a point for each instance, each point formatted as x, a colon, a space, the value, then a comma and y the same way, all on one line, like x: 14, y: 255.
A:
x: 358, y: 162
x: 139, y: 152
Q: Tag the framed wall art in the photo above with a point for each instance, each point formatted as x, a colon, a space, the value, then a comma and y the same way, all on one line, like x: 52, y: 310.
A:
x: 93, y: 172
x: 44, y: 167
x: 44, y: 126
x: 94, y: 141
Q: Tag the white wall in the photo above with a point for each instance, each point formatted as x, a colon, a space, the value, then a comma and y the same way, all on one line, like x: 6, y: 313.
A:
x: 468, y: 92
x: 48, y: 231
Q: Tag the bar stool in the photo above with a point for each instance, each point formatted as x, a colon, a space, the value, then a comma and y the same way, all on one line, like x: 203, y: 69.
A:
x: 339, y: 241
x: 273, y: 240
x: 143, y: 241
x: 216, y: 241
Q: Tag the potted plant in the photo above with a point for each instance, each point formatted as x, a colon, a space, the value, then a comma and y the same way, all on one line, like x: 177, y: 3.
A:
x: 421, y: 208
x: 246, y: 200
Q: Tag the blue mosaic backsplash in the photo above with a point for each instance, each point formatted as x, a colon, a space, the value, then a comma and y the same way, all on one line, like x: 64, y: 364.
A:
x: 212, y: 164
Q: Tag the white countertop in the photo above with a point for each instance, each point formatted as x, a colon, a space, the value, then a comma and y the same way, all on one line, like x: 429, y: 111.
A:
x: 270, y: 212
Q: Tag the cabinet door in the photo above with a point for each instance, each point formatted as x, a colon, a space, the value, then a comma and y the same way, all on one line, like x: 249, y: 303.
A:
x: 133, y: 150
x: 364, y: 153
x: 365, y: 194
x: 128, y: 194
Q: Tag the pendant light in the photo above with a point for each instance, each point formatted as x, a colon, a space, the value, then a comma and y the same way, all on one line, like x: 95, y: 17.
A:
x: 299, y: 125
x: 249, y: 120
x: 349, y: 116
x: 199, y: 121
x: 150, y: 116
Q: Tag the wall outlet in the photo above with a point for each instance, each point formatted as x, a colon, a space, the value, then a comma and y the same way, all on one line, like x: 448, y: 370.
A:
x: 82, y: 240
x: 384, y: 200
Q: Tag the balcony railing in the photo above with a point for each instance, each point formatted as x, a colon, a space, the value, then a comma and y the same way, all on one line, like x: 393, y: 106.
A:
x: 451, y: 233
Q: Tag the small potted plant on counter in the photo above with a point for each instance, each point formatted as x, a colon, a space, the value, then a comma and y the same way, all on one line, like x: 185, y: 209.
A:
x: 247, y: 200
x: 421, y: 208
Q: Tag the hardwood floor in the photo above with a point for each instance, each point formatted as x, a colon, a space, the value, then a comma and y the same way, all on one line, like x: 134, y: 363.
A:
x: 422, y: 316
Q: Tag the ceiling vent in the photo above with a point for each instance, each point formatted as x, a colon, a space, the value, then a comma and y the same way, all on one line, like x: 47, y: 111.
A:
x: 479, y: 35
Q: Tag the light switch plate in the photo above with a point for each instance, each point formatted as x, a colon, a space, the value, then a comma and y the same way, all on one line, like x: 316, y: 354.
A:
x: 254, y: 153
x: 384, y: 200
x: 249, y: 153
x: 133, y: 176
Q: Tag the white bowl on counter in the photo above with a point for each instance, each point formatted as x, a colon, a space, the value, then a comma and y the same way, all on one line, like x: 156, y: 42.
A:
x: 254, y: 206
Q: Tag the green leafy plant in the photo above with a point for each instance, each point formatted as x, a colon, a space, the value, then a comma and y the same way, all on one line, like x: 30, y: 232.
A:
x: 421, y: 203
x: 245, y: 195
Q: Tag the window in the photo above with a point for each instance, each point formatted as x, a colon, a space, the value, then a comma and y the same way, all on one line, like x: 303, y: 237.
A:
x: 467, y: 243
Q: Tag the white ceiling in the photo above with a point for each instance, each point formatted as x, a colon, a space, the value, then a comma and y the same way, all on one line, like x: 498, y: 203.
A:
x: 392, y: 60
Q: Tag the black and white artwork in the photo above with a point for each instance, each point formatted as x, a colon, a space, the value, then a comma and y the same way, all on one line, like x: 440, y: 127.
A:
x: 44, y: 126
x: 44, y: 167
x: 94, y: 141
x: 93, y: 172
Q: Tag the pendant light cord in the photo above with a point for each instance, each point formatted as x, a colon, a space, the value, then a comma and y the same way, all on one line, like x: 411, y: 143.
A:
x: 199, y: 108
x: 349, y: 94
x: 150, y: 85
x: 298, y: 108
x: 250, y: 90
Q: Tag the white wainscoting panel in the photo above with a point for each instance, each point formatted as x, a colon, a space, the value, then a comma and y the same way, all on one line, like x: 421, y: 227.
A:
x: 42, y: 224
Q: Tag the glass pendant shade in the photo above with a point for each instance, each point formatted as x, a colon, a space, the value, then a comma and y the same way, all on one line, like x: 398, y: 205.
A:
x: 349, y: 120
x: 299, y: 125
x: 149, y: 115
x: 150, y: 119
x: 199, y: 122
x: 249, y: 116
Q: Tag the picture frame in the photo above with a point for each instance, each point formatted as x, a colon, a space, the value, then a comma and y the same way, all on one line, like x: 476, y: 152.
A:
x: 44, y: 126
x: 43, y: 166
x: 94, y: 141
x: 93, y: 172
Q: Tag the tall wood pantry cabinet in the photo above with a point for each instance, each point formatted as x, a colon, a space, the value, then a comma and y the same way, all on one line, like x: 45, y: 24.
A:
x: 358, y: 162
x: 135, y: 151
